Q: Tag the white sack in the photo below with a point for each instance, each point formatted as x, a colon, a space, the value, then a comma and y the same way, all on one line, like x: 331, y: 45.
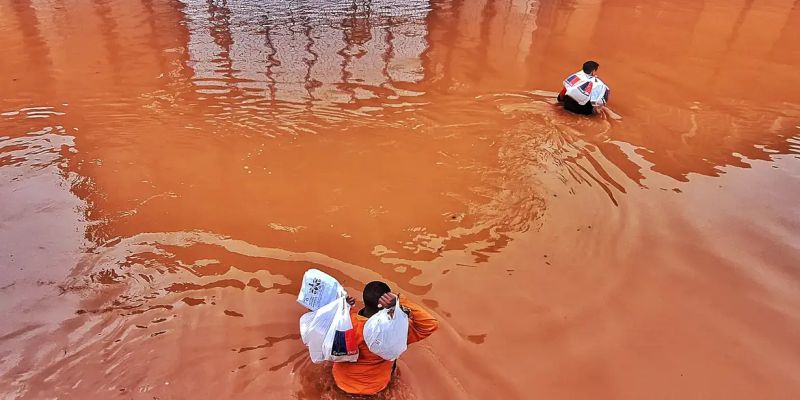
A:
x: 387, y: 335
x: 584, y: 88
x: 328, y: 333
x: 318, y: 289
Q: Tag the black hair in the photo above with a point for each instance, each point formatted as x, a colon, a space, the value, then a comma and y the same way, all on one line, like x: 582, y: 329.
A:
x: 372, y: 292
x: 590, y: 66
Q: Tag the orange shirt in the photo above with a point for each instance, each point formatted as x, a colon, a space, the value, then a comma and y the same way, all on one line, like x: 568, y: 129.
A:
x: 371, y: 373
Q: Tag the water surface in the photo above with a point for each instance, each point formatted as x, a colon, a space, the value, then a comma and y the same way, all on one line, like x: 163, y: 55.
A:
x: 169, y: 169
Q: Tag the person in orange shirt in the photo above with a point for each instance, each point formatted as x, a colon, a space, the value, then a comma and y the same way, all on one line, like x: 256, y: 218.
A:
x: 371, y: 373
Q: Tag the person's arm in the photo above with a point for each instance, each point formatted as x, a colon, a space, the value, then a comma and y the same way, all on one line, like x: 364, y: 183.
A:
x: 421, y: 323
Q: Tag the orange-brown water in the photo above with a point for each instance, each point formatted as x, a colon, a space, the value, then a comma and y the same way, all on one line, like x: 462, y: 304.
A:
x: 168, y: 171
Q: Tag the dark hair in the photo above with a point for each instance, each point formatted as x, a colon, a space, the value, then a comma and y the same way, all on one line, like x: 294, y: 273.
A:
x: 372, y: 292
x: 590, y: 66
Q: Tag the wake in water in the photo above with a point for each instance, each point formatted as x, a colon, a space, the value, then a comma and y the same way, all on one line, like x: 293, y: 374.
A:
x: 546, y: 97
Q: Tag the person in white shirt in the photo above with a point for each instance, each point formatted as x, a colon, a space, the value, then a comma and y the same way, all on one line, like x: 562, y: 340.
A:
x: 584, y: 93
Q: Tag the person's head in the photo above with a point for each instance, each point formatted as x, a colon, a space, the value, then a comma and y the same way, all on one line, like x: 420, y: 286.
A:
x: 372, y: 292
x: 590, y: 68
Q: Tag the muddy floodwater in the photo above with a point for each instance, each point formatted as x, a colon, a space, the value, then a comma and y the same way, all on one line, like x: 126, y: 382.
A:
x: 169, y: 169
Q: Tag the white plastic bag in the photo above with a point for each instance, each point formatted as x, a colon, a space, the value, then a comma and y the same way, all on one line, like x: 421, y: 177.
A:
x: 318, y: 289
x: 387, y: 335
x: 340, y: 343
x: 305, y: 326
x: 599, y: 95
x: 584, y: 88
x: 328, y: 333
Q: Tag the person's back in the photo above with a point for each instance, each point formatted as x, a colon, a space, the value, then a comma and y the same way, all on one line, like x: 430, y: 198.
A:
x: 583, y: 92
x: 371, y: 373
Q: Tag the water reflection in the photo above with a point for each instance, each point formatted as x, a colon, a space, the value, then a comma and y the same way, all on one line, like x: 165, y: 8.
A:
x: 296, y: 55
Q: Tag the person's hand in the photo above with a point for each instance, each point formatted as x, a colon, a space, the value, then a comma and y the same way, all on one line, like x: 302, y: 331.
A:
x: 388, y: 300
x: 350, y: 300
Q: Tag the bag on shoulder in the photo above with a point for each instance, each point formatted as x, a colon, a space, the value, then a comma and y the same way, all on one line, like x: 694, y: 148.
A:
x: 584, y: 88
x: 326, y: 330
x: 328, y: 333
x: 318, y: 289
